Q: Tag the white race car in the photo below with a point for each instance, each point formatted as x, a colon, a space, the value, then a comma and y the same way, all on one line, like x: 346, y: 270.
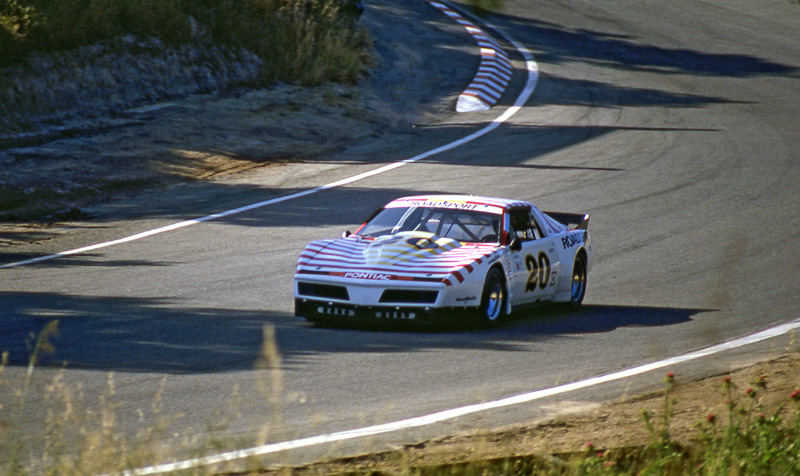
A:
x: 423, y: 257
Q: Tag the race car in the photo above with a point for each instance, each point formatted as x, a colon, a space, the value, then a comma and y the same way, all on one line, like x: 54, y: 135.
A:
x: 423, y: 257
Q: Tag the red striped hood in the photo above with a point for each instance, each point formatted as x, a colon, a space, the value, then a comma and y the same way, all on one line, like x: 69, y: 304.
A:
x: 410, y: 256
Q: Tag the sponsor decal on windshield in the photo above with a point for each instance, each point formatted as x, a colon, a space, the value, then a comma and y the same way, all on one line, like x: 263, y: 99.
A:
x: 446, y: 204
x: 449, y: 204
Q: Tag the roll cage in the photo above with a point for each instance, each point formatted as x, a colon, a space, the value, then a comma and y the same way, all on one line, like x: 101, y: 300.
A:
x: 461, y: 225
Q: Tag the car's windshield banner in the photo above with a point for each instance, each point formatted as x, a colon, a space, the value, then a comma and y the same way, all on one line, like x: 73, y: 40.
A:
x: 449, y: 204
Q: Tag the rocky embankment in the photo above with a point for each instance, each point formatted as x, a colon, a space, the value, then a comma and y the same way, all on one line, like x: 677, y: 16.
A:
x: 98, y: 123
x: 107, y: 79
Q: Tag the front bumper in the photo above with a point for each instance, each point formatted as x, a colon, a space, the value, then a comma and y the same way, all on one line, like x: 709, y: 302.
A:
x: 339, y: 313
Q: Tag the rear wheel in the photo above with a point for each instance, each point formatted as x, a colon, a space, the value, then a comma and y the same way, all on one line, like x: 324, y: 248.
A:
x: 578, y: 286
x: 493, y: 301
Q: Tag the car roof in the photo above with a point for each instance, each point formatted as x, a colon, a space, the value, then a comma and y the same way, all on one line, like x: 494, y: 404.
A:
x: 503, y: 203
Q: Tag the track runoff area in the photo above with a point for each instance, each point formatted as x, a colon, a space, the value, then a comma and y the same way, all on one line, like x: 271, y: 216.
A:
x: 424, y: 420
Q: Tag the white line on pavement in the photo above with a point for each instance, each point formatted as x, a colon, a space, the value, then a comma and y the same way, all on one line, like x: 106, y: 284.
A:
x: 466, y: 410
x: 530, y: 85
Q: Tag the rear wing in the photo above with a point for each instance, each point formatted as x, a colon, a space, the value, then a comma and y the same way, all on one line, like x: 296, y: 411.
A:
x: 575, y: 221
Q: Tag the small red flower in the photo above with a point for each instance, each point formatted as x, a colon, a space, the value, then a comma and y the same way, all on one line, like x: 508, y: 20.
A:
x: 750, y: 392
x: 795, y: 395
x: 711, y: 418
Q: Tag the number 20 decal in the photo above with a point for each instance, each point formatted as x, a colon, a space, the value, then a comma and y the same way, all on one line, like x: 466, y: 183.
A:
x: 539, y: 271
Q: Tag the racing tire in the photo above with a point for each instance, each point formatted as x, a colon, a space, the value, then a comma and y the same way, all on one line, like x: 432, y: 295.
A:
x: 577, y: 290
x: 493, y: 300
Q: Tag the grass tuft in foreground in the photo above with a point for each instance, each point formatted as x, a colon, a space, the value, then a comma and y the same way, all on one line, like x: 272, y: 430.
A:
x: 749, y: 438
x: 77, y: 432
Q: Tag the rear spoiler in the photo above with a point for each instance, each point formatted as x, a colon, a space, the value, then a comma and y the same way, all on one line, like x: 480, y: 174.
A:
x: 575, y: 221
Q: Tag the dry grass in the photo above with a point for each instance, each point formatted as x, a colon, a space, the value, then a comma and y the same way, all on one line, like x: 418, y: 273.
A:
x: 98, y: 57
x: 755, y: 430
x: 299, y: 41
x: 80, y: 434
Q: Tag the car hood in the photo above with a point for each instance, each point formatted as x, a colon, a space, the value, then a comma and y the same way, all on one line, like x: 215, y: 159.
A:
x: 407, y: 247
x: 405, y: 255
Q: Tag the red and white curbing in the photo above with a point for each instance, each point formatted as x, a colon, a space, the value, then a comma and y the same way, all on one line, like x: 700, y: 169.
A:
x: 493, y: 73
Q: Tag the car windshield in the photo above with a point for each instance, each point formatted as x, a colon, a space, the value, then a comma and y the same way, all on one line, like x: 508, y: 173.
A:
x: 461, y: 225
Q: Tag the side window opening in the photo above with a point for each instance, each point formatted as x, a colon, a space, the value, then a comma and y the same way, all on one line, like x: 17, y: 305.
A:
x: 524, y: 227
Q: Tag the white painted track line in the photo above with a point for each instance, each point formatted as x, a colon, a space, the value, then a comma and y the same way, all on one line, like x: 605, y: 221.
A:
x: 466, y: 410
x: 530, y: 85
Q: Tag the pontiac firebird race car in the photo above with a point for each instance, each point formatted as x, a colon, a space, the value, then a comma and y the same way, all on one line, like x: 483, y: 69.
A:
x: 419, y: 257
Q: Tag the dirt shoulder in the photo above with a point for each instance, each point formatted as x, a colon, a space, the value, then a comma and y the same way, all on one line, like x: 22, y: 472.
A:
x: 58, y: 174
x: 614, y: 425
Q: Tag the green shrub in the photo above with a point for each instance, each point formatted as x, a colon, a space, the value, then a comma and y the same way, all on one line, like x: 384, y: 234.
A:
x: 301, y: 41
x: 15, y: 22
x: 485, y: 6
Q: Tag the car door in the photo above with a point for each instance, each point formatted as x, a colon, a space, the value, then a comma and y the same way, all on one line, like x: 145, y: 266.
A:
x: 535, y: 260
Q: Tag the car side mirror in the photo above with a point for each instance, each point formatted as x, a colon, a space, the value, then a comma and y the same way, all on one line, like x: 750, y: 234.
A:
x: 346, y: 233
x: 515, y: 245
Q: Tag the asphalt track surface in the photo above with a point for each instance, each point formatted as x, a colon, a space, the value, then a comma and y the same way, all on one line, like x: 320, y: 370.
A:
x: 674, y: 124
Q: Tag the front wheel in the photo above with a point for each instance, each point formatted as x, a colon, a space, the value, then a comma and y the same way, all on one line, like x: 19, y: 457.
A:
x: 493, y: 301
